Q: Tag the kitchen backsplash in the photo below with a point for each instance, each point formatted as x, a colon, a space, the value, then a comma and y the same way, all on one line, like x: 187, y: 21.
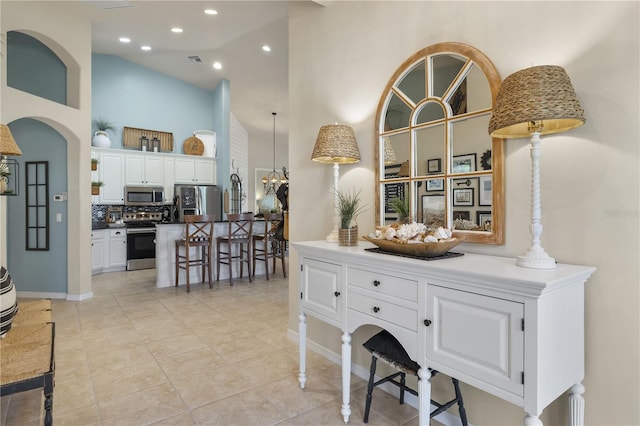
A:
x: 99, y: 211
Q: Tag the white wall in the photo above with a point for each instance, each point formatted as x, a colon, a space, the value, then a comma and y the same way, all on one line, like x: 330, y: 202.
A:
x: 341, y: 57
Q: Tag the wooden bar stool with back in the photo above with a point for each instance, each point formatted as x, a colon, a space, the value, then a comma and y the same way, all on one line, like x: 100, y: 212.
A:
x: 267, y: 247
x: 198, y: 234
x: 237, y: 243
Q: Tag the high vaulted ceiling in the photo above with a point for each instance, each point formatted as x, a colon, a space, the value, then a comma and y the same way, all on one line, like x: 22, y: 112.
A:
x: 234, y: 37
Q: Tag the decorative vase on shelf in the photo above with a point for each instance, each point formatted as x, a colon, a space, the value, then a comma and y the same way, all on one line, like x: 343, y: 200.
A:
x: 101, y: 140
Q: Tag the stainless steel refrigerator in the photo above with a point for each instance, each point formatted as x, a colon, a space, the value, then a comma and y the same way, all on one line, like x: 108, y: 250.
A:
x: 197, y: 199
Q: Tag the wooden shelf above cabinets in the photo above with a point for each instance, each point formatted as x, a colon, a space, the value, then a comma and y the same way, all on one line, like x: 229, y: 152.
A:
x: 131, y: 138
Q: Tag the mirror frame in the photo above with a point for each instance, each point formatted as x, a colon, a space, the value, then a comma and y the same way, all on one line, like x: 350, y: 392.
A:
x: 496, y: 235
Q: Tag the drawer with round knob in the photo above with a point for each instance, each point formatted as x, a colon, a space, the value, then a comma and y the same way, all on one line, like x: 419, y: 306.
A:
x: 381, y: 309
x: 384, y: 284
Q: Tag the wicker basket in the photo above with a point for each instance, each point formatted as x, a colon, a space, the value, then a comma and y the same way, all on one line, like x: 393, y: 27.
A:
x: 419, y: 249
x: 348, y: 237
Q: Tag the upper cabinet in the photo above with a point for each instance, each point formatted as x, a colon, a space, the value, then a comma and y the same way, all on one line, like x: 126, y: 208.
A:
x: 143, y: 169
x: 433, y: 148
x: 118, y: 167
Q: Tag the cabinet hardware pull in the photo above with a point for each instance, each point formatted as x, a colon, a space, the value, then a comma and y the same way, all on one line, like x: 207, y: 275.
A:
x: 336, y: 294
x: 427, y: 322
x: 376, y: 283
x: 376, y: 309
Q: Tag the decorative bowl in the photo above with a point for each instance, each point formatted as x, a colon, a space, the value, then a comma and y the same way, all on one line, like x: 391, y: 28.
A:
x: 417, y: 249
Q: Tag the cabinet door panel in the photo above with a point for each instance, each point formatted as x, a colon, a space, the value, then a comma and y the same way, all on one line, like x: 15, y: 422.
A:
x: 153, y: 171
x: 477, y: 335
x: 111, y: 169
x: 321, y: 287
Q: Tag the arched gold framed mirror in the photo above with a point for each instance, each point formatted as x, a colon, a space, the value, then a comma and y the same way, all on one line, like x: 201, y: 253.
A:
x: 434, y: 153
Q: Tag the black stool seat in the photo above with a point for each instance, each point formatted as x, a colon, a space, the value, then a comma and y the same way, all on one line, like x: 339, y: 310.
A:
x: 387, y: 348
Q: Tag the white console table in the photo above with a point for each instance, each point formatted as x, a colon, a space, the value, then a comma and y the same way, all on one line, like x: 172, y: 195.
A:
x: 514, y: 332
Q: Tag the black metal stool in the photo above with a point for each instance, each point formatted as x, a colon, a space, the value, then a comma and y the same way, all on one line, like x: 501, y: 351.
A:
x: 387, y: 348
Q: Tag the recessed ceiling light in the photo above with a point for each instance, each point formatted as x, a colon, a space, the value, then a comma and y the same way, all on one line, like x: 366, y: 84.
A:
x: 266, y: 48
x: 176, y: 30
x: 125, y: 40
x: 217, y: 65
x: 145, y: 48
x: 211, y: 11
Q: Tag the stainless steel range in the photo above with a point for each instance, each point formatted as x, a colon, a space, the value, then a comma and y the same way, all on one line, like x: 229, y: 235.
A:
x: 141, y: 239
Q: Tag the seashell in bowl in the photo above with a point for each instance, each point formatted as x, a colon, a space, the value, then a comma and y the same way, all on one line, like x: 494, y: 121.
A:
x: 429, y: 249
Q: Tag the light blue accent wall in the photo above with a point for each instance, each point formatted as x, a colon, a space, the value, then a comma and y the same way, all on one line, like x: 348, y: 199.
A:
x: 130, y: 95
x: 39, y: 271
x: 221, y: 124
x: 33, y: 68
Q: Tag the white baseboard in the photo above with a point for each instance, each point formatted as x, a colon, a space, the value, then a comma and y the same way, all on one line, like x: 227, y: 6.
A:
x: 445, y: 418
x: 40, y: 295
x: 79, y: 297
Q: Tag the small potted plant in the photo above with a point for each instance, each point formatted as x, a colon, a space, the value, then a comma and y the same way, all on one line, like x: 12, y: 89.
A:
x: 101, y: 128
x: 401, y: 207
x: 349, y: 206
x: 94, y: 164
x: 95, y: 187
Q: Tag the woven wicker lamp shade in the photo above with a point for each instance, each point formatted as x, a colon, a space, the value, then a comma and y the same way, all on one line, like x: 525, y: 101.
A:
x: 537, y: 94
x: 8, y: 145
x: 336, y: 143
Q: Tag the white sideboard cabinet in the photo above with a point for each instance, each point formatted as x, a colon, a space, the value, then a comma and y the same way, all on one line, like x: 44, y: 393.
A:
x: 514, y: 332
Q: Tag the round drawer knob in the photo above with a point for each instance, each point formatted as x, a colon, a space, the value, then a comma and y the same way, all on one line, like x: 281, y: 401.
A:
x: 427, y: 322
x: 376, y: 283
x: 376, y: 309
x: 336, y: 294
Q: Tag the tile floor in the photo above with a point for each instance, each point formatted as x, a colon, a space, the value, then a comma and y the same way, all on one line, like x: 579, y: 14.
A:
x: 138, y: 355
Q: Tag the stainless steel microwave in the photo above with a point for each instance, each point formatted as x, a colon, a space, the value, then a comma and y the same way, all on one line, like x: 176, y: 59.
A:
x: 143, y: 195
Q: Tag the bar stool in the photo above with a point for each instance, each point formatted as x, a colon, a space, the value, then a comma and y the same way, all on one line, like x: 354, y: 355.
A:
x: 238, y: 240
x: 387, y: 348
x: 198, y: 233
x: 267, y: 247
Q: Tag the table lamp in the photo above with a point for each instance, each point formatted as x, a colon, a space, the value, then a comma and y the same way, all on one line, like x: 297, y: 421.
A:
x: 8, y: 167
x: 532, y: 102
x: 336, y: 144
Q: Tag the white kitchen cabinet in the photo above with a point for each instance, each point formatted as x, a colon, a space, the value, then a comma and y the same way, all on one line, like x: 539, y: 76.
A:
x: 321, y: 290
x: 144, y: 169
x: 117, y: 256
x: 97, y: 251
x: 195, y: 170
x: 111, y: 174
x: 514, y: 332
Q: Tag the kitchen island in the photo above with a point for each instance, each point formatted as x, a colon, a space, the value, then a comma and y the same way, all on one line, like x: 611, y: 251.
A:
x: 168, y: 233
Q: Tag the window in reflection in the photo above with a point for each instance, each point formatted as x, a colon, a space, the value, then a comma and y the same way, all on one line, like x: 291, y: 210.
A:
x: 398, y: 114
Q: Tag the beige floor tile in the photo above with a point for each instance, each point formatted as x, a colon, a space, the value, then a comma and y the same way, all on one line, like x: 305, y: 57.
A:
x: 287, y: 396
x: 151, y: 405
x: 110, y: 383
x: 189, y: 363
x: 183, y: 419
x: 122, y: 357
x: 81, y: 416
x: 247, y: 409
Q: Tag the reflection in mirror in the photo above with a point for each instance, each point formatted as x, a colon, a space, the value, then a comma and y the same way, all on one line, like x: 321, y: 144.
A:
x: 392, y: 191
x: 445, y: 70
x: 431, y: 111
x: 413, y: 83
x: 397, y: 115
x: 446, y: 165
x: 429, y: 143
x: 467, y: 136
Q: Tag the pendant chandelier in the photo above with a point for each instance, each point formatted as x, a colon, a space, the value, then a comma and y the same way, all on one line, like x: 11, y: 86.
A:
x: 274, y: 179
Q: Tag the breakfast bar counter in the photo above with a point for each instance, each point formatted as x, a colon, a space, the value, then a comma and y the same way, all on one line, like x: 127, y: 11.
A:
x: 168, y: 233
